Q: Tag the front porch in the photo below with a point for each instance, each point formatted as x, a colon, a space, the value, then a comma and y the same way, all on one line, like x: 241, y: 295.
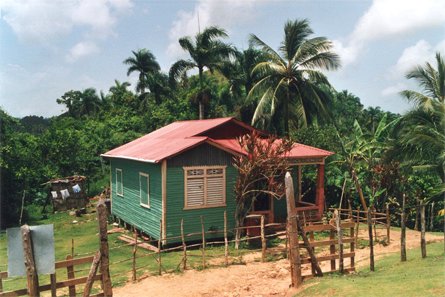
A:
x: 310, y: 208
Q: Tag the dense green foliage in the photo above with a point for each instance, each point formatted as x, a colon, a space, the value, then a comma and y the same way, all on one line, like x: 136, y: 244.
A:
x: 380, y: 151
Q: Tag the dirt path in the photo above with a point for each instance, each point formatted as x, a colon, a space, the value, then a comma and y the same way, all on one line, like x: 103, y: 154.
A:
x: 253, y: 279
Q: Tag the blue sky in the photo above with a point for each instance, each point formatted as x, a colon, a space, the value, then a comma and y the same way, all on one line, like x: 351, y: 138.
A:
x: 49, y: 47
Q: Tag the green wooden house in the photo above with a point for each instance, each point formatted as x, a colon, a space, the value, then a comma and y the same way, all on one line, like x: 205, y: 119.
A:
x: 184, y: 171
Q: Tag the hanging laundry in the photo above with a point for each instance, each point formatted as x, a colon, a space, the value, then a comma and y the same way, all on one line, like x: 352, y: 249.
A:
x: 76, y: 188
x: 54, y: 194
x: 65, y: 193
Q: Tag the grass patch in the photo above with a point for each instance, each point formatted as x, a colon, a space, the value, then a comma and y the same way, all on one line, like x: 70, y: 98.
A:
x: 416, y: 277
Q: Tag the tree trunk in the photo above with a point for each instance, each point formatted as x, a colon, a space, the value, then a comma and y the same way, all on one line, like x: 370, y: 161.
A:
x: 201, y: 107
x: 359, y: 188
x: 286, y: 113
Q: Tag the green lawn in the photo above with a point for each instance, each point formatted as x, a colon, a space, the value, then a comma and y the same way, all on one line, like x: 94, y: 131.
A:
x: 416, y: 277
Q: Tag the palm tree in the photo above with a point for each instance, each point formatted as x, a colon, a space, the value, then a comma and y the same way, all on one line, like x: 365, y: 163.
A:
x: 90, y: 102
x: 206, y: 51
x: 145, y: 63
x: 431, y: 80
x: 291, y: 76
x: 421, y: 132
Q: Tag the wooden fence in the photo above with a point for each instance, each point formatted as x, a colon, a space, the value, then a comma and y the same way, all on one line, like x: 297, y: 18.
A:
x: 70, y: 282
x: 99, y: 261
x: 335, y: 242
x: 378, y: 219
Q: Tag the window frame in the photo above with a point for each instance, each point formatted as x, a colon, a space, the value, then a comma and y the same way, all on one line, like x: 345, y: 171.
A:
x: 205, y: 177
x: 147, y: 176
x: 122, y: 182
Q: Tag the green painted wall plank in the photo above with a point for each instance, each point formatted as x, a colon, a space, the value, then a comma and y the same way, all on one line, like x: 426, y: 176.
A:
x: 128, y: 207
x: 213, y: 217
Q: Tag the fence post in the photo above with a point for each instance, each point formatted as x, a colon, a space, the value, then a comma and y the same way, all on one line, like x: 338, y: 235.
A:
x: 70, y: 275
x: 159, y: 248
x: 371, y: 241
x: 422, y: 232
x: 358, y: 225
x: 340, y: 240
x: 352, y: 247
x: 374, y: 222
x: 226, y: 244
x: 263, y: 241
x: 104, y: 253
x: 30, y: 265
x: 53, y: 281
x: 184, y: 247
x: 294, y: 251
x: 403, y: 232
x: 203, y: 244
x: 134, y: 254
x: 332, y: 248
x: 388, y: 225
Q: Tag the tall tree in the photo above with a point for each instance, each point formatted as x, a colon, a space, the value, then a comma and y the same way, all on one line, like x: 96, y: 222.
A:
x: 291, y: 76
x: 144, y: 62
x: 421, y: 131
x: 206, y: 51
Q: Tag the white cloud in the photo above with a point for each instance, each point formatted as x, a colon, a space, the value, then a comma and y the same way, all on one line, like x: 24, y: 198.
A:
x: 80, y: 50
x: 394, y: 89
x: 418, y: 54
x: 225, y: 13
x: 43, y: 20
x: 386, y: 18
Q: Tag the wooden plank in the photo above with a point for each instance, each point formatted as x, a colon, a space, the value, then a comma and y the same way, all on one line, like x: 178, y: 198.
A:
x: 91, y: 275
x: 73, y: 262
x: 69, y: 282
x: 21, y: 292
x: 143, y: 245
x: 307, y: 260
x: 326, y: 227
x: 328, y: 242
x: 3, y: 274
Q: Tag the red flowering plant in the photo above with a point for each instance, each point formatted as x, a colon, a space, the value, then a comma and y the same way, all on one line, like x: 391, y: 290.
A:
x: 261, y: 170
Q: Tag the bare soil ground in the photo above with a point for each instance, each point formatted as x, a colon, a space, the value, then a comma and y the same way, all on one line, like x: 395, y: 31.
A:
x: 254, y: 278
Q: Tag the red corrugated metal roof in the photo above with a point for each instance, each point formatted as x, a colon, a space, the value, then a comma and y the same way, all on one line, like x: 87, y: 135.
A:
x: 298, y: 150
x: 181, y: 136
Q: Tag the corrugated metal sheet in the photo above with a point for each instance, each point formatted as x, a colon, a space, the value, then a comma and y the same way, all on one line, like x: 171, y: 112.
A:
x: 178, y: 137
x: 298, y: 150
